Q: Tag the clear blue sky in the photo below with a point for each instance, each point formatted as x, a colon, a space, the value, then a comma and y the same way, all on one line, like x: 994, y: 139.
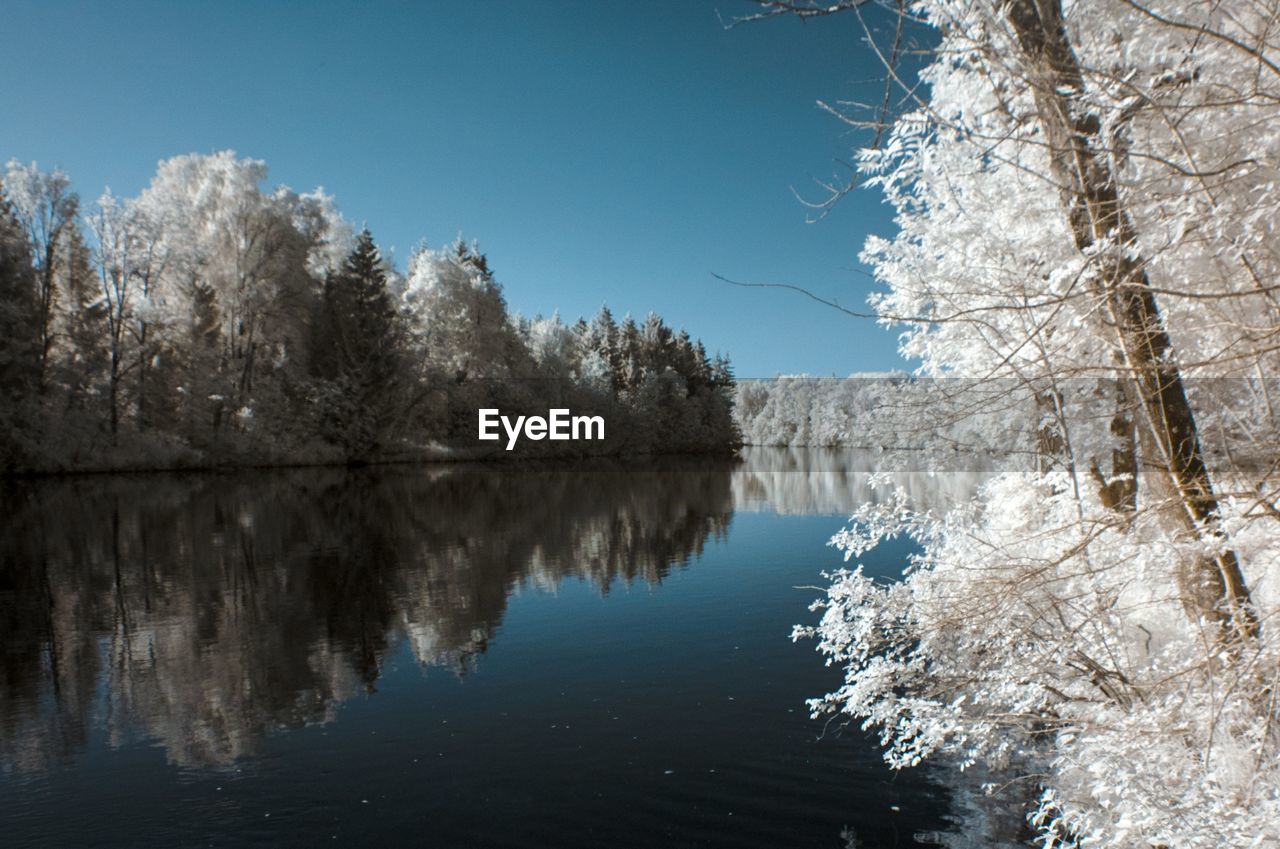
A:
x: 599, y: 150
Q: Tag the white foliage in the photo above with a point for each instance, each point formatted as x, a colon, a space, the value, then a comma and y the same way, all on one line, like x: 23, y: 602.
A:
x: 1041, y: 630
x: 1027, y: 633
x: 458, y: 315
x: 330, y: 236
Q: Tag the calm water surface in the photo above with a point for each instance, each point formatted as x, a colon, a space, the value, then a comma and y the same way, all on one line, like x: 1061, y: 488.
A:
x: 590, y: 655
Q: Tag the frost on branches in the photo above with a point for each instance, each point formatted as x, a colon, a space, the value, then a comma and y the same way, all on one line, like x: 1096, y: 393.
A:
x: 1086, y: 196
x: 211, y: 321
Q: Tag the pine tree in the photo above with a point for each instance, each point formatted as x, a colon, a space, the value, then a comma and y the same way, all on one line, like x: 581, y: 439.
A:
x: 19, y: 344
x: 632, y: 346
x: 470, y: 257
x: 359, y: 349
x: 659, y: 343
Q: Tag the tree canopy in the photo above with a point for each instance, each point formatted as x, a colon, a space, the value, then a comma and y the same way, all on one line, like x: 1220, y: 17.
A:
x: 211, y: 321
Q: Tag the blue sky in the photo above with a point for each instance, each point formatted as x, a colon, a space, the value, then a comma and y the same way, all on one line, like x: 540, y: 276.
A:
x: 600, y: 151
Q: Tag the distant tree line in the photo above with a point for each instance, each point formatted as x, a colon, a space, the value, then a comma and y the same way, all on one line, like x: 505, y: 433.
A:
x: 910, y: 421
x: 208, y: 321
x: 802, y: 410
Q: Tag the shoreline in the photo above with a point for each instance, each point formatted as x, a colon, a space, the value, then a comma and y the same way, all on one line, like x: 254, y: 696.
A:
x: 486, y: 457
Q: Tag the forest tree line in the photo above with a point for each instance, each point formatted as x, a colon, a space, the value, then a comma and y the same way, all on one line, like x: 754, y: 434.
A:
x: 209, y: 321
x: 803, y: 410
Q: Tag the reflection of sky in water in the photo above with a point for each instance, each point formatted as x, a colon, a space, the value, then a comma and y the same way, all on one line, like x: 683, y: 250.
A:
x: 533, y: 655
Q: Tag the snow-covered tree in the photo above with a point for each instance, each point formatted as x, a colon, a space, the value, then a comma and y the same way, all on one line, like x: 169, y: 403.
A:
x: 1085, y: 195
x: 221, y: 230
x: 461, y: 313
x: 210, y: 320
x: 124, y: 275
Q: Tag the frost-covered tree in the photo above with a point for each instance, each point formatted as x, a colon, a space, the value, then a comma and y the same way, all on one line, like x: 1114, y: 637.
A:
x: 461, y: 313
x: 213, y: 321
x: 222, y: 231
x: 1085, y: 195
x: 120, y: 248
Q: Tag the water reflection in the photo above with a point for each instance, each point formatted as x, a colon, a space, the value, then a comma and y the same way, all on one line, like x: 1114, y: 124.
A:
x: 830, y: 481
x: 206, y: 612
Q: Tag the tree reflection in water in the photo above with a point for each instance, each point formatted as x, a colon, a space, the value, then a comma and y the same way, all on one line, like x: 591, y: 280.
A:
x: 206, y: 612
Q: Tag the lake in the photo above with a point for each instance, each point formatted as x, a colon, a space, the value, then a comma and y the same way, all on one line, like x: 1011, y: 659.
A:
x: 526, y: 655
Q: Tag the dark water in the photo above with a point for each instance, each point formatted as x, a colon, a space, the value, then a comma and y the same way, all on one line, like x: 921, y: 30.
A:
x: 589, y: 655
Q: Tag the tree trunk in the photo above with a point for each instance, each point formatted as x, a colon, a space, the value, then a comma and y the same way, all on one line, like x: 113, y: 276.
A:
x: 144, y: 414
x: 45, y: 305
x: 115, y: 396
x: 1119, y: 491
x: 1216, y: 589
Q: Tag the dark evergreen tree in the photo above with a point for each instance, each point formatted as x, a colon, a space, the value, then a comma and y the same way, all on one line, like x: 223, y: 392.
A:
x: 359, y: 351
x: 19, y: 342
x: 702, y: 365
x: 659, y: 343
